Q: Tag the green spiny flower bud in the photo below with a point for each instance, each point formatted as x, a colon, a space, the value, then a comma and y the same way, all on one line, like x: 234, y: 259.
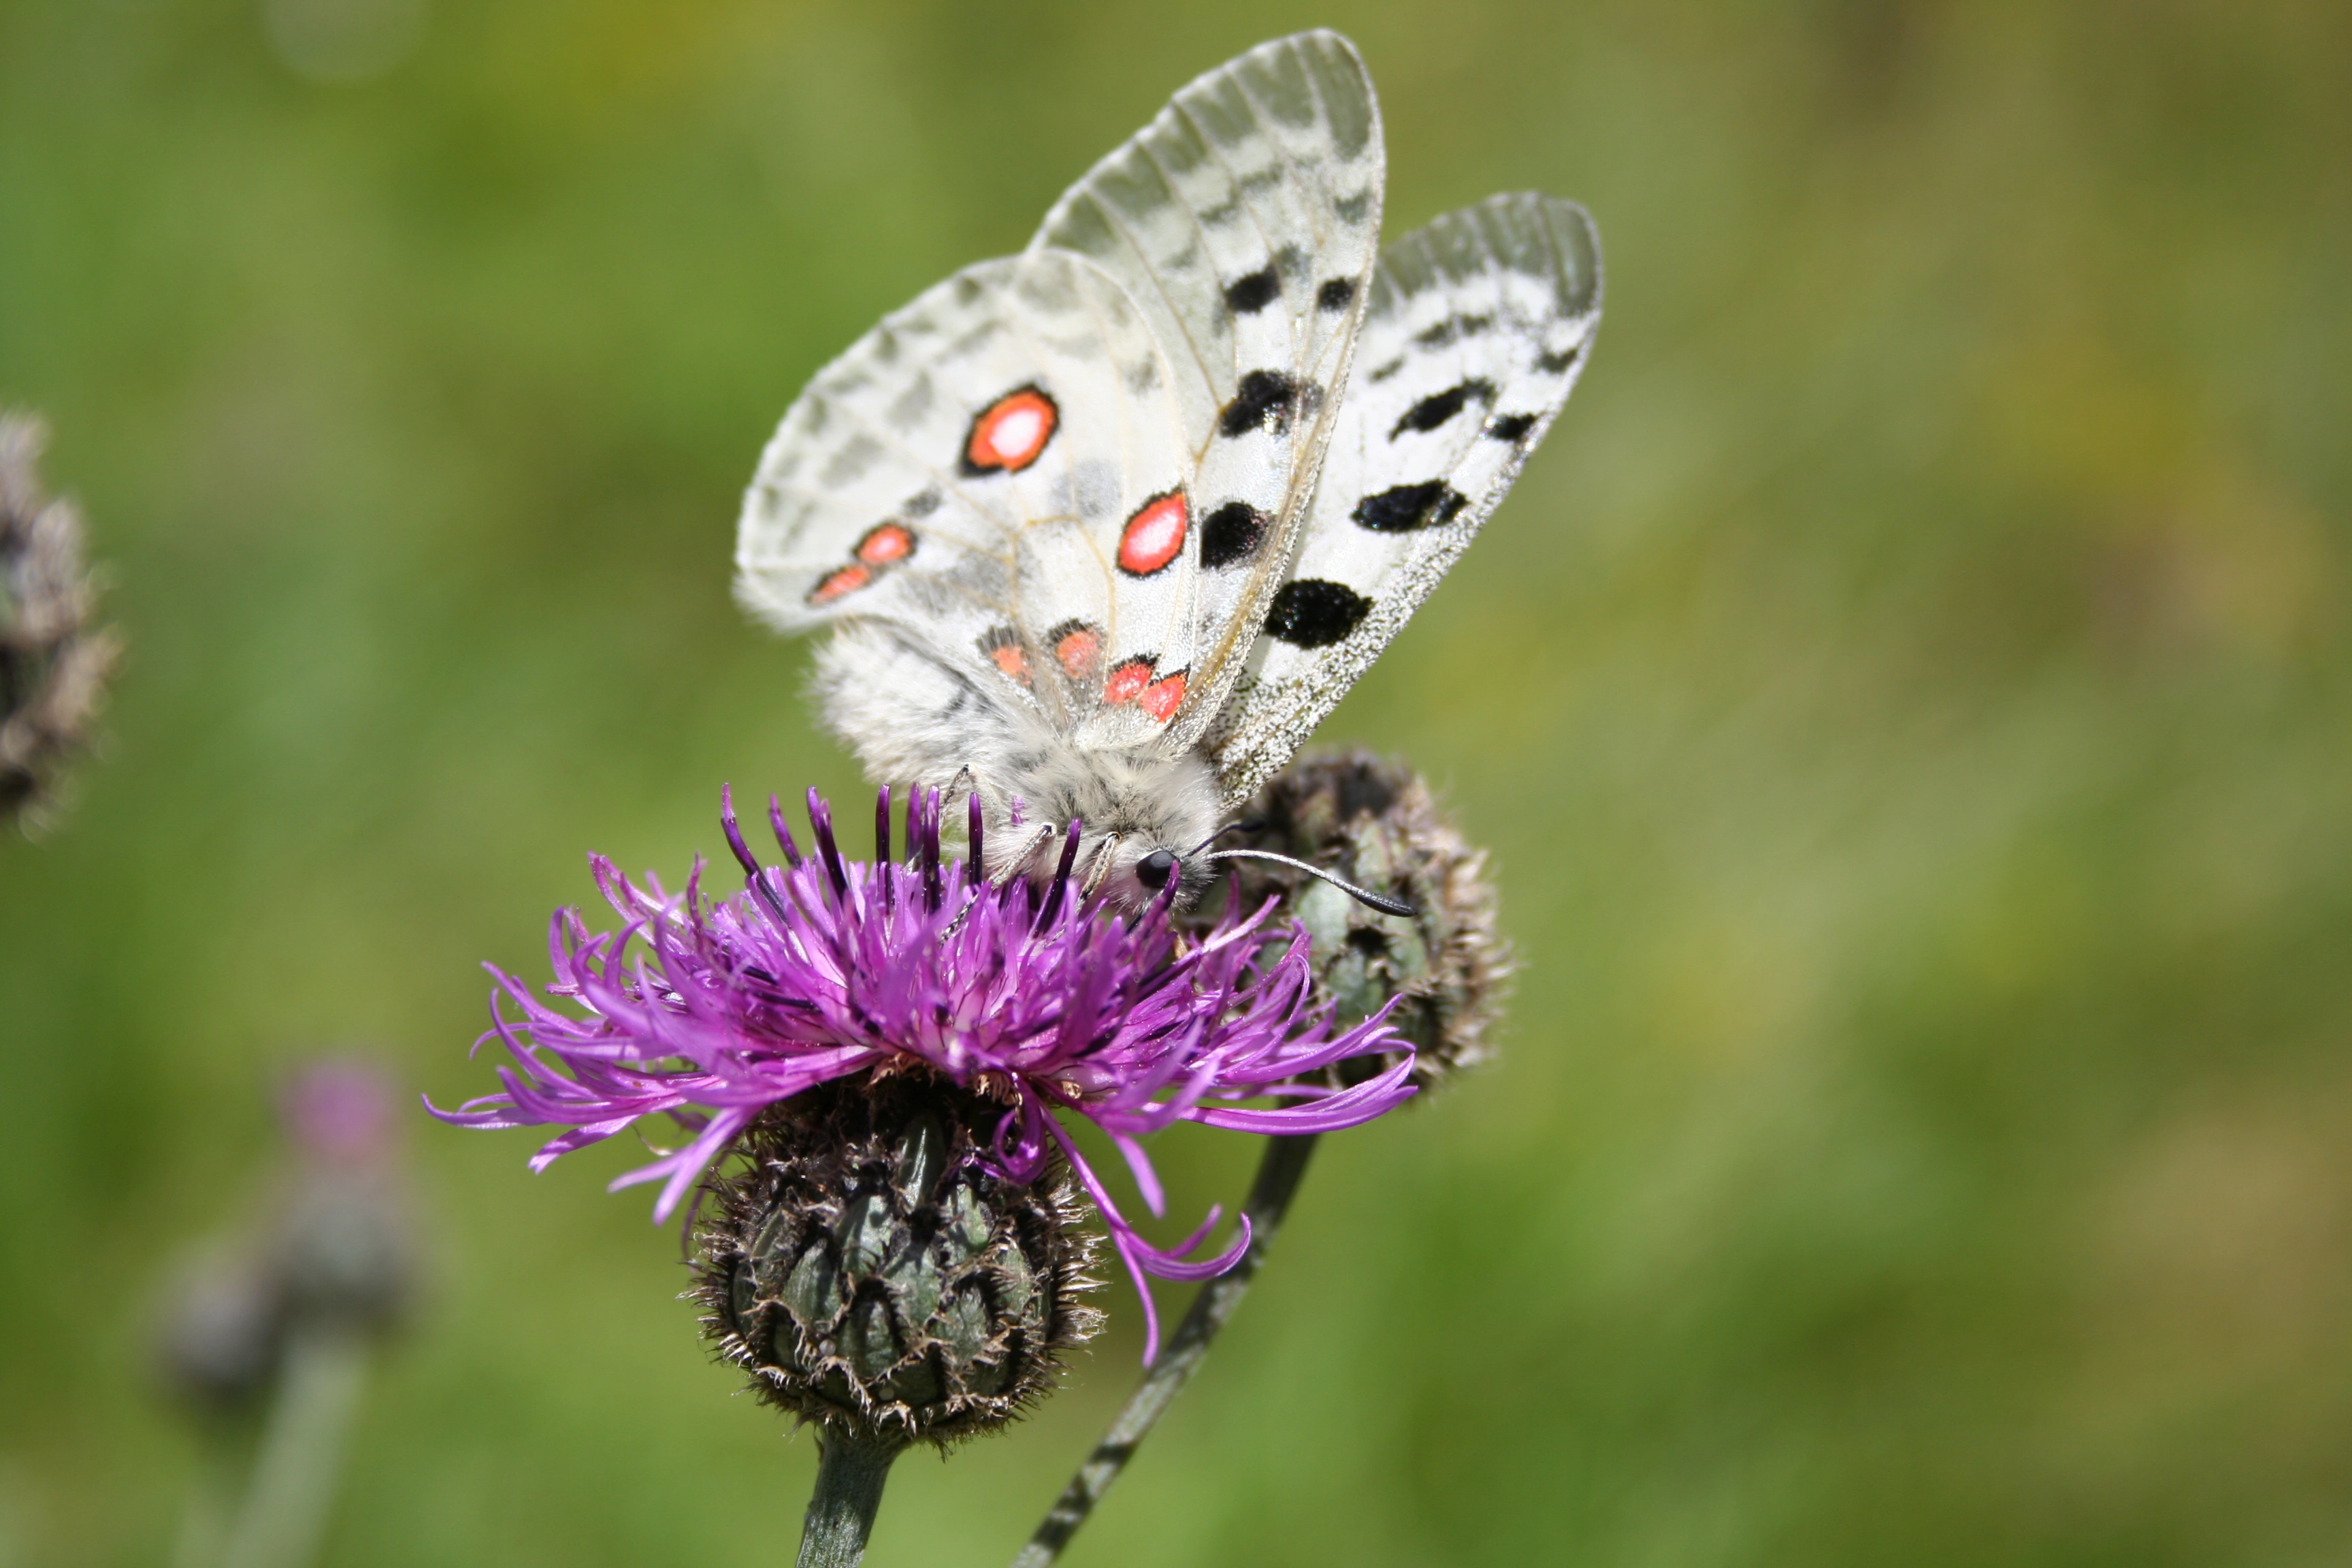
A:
x: 53, y: 665
x: 866, y: 1268
x: 1374, y: 823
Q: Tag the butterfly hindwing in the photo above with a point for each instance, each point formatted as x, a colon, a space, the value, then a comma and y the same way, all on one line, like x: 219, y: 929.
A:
x: 1244, y: 220
x: 1476, y: 328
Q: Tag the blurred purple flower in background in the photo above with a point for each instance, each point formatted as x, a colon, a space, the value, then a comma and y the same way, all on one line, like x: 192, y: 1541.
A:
x: 711, y: 1011
x: 340, y: 1112
x: 268, y: 1333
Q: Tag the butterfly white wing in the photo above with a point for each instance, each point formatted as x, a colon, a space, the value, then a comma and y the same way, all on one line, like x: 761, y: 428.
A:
x: 1244, y: 221
x: 1476, y: 327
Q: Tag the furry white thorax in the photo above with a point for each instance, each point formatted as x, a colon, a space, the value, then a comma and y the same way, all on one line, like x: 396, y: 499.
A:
x: 912, y: 719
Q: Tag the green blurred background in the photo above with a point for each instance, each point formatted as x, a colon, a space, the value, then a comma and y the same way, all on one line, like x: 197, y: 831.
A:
x: 1907, y: 699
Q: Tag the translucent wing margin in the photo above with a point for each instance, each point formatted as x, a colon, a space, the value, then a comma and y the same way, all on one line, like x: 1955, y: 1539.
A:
x: 1476, y: 328
x: 1244, y: 221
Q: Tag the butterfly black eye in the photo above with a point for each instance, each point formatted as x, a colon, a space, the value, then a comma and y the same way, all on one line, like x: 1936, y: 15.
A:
x: 1154, y: 869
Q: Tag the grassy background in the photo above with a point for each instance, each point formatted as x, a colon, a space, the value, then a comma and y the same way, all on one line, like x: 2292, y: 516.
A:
x: 1907, y: 700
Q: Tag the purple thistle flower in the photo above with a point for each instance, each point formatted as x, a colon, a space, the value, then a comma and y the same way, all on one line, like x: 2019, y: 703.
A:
x: 711, y: 1010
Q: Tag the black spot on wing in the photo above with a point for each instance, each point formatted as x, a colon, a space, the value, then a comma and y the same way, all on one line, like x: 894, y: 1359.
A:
x: 1510, y: 426
x: 1253, y: 293
x: 1451, y: 330
x: 1553, y: 365
x: 1312, y: 613
x: 1265, y: 401
x: 1405, y: 508
x: 1440, y: 407
x: 1382, y: 372
x: 1335, y: 294
x: 1232, y: 533
x: 922, y: 504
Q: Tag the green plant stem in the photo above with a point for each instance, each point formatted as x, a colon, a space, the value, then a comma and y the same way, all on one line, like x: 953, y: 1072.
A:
x: 1279, y: 1171
x: 850, y: 1472
x: 294, y: 1475
x: 212, y: 1491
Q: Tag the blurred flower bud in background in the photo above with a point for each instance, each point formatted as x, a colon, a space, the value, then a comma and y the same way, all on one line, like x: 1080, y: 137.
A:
x: 266, y: 1333
x: 344, y: 1243
x: 53, y: 664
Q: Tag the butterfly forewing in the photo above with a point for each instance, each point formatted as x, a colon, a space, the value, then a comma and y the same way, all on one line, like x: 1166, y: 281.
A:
x: 957, y: 470
x: 1244, y: 221
x: 1476, y: 328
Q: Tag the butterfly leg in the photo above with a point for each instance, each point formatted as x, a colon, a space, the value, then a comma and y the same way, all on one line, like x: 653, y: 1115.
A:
x: 1104, y: 858
x: 1013, y: 866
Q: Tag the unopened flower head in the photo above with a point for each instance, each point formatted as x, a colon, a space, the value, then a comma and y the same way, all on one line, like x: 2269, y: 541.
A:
x: 864, y: 1264
x: 1443, y: 969
x: 53, y: 663
x: 713, y: 1010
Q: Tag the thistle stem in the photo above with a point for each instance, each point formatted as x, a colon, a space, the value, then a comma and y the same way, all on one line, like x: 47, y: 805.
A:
x: 850, y: 1471
x: 294, y: 1475
x: 1279, y: 1171
x: 212, y: 1493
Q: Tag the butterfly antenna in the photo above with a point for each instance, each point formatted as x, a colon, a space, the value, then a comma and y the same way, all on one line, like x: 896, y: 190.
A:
x: 1364, y: 896
x: 1246, y: 824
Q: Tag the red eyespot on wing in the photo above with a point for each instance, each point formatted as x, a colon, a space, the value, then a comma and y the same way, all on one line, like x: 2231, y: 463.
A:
x: 845, y: 580
x: 1127, y: 681
x: 1002, y: 647
x: 1012, y: 660
x: 1163, y: 697
x: 1076, y: 646
x: 886, y: 544
x: 1154, y: 536
x: 1010, y: 432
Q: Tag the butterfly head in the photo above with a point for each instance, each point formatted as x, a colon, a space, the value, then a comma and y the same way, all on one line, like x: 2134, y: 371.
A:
x: 1154, y: 869
x: 1141, y: 816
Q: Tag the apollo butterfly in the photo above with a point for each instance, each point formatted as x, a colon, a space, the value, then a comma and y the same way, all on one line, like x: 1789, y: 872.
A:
x: 1105, y: 529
